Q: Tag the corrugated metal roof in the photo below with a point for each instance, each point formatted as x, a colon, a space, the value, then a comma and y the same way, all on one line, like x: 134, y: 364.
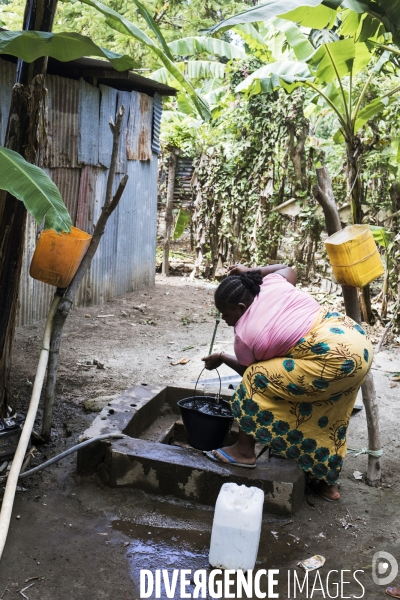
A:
x: 108, y: 106
x: 7, y: 78
x: 138, y: 141
x: 62, y: 134
x: 157, y: 114
x: 104, y: 73
x: 89, y: 122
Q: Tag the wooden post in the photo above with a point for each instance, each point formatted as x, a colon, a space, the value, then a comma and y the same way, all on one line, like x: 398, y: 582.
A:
x: 21, y: 137
x: 324, y: 195
x: 173, y: 162
x: 68, y: 295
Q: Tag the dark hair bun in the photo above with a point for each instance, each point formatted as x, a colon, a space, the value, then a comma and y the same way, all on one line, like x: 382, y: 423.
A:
x: 252, y: 281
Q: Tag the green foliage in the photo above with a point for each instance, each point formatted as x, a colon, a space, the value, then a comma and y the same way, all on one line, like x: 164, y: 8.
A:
x: 381, y: 236
x: 30, y: 45
x: 181, y: 223
x: 35, y: 189
x: 240, y: 176
x: 119, y: 23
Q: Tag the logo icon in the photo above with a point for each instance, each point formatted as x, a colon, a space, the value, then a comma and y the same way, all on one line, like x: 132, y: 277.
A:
x: 384, y: 568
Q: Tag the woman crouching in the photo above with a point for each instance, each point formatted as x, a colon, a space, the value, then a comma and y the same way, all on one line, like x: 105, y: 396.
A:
x: 302, y: 367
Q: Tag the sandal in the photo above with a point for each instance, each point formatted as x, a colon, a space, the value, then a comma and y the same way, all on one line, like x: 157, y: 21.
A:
x: 231, y: 461
x: 314, y: 486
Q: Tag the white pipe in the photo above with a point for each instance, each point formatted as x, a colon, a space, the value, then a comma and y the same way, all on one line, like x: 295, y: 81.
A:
x: 12, y: 481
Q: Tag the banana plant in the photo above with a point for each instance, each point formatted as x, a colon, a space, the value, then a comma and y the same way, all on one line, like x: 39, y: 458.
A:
x: 30, y: 45
x: 210, y: 72
x: 330, y: 71
x: 319, y: 14
x: 160, y: 48
x: 35, y: 189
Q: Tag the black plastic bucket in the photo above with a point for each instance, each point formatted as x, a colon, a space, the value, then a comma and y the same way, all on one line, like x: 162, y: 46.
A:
x: 205, y: 431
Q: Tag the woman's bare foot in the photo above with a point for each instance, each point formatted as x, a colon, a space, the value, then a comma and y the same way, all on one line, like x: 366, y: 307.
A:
x: 329, y: 491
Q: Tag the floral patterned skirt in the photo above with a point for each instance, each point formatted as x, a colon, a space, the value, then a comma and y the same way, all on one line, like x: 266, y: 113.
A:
x: 300, y: 404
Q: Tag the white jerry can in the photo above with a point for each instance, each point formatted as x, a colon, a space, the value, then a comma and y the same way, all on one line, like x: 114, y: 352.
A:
x: 237, y: 527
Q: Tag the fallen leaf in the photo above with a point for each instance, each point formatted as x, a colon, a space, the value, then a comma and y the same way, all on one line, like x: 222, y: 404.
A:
x: 183, y: 361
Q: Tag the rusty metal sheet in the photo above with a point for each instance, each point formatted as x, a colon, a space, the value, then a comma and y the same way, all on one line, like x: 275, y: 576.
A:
x: 140, y: 126
x: 89, y: 116
x: 108, y: 107
x: 62, y: 124
x: 124, y: 99
x: 86, y: 200
x: 7, y: 78
x: 67, y: 181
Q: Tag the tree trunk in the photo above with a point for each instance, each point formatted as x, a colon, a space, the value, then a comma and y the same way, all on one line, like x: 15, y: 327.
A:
x: 22, y: 136
x: 173, y: 162
x: 297, y: 154
x: 324, y: 195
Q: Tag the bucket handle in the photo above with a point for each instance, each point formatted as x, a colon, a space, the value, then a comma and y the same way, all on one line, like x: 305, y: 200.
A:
x: 218, y: 396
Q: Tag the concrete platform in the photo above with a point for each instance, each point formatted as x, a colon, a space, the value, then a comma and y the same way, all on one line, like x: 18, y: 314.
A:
x: 156, y: 458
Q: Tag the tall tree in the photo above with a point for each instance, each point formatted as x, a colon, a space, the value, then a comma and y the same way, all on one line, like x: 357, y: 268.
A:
x: 22, y: 137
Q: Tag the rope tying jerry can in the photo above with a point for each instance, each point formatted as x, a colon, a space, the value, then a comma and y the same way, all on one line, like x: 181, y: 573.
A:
x: 354, y: 256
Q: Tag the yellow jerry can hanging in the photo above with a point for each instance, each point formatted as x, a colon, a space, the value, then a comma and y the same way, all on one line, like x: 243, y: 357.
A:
x: 354, y: 256
x: 58, y: 256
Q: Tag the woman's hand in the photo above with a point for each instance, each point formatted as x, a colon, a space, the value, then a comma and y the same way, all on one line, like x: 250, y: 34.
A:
x: 213, y: 361
x: 238, y: 269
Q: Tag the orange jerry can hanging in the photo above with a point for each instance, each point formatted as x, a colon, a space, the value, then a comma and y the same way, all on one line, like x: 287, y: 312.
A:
x: 58, y: 256
x: 353, y: 255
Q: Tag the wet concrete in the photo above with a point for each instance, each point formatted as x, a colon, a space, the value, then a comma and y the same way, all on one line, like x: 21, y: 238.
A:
x: 150, y: 418
x: 86, y: 541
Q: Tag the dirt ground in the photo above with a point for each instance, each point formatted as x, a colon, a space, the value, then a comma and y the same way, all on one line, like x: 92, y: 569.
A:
x: 71, y: 538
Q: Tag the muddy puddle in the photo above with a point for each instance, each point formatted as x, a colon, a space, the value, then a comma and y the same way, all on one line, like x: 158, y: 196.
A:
x: 159, y: 548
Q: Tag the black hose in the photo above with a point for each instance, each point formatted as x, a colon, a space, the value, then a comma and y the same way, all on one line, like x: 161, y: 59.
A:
x: 66, y: 453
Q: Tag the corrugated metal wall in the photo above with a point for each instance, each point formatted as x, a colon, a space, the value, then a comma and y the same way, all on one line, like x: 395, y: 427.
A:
x: 79, y: 144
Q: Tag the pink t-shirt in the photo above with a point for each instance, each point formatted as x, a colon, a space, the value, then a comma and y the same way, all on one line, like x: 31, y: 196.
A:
x: 276, y: 320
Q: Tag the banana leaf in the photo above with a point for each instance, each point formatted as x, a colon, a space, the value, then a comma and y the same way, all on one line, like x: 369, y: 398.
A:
x: 181, y: 223
x: 381, y: 236
x: 191, y: 45
x: 35, y: 189
x: 30, y: 45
